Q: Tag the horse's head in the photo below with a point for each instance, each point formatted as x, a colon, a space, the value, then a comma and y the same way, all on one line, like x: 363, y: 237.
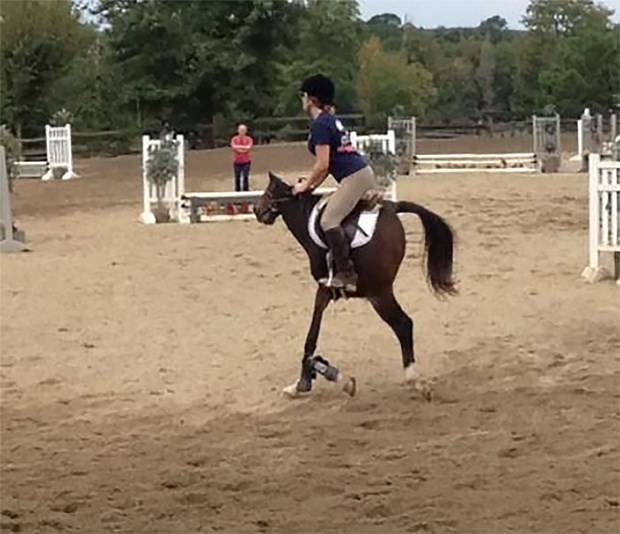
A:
x: 267, y: 208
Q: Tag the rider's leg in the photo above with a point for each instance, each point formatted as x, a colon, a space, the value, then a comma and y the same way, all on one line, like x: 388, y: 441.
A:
x: 340, y: 204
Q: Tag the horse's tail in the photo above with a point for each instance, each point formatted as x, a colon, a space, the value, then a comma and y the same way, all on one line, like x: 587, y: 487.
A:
x: 438, y: 247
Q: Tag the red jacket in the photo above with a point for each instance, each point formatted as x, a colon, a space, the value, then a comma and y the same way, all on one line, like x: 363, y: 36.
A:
x: 242, y: 141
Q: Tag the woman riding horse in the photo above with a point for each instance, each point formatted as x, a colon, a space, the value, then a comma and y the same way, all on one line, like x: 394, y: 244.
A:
x: 329, y: 141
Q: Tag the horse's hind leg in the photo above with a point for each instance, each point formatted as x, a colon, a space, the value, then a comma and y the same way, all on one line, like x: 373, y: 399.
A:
x: 386, y: 305
x: 322, y: 299
x: 390, y: 311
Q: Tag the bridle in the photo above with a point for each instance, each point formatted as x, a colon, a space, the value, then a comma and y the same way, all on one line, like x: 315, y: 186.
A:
x: 273, y: 202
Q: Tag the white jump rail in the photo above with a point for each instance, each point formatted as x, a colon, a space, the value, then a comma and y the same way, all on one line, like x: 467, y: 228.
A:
x: 8, y: 243
x: 191, y: 202
x: 31, y: 169
x: 604, y: 223
x: 447, y: 163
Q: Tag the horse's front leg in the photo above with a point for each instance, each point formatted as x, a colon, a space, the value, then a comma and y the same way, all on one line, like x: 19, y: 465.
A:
x: 322, y: 299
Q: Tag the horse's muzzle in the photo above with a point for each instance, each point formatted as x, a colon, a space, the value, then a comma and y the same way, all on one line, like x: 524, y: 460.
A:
x: 265, y: 216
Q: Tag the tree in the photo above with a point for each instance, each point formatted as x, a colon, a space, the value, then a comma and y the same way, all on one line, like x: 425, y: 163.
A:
x: 493, y: 29
x: 580, y: 50
x: 586, y: 74
x: 39, y: 40
x: 563, y: 17
x: 388, y: 27
x: 485, y: 74
x: 505, y: 73
x: 386, y: 81
x: 328, y: 43
x: 186, y: 61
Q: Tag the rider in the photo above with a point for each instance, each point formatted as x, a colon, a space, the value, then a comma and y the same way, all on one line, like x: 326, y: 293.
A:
x: 329, y: 141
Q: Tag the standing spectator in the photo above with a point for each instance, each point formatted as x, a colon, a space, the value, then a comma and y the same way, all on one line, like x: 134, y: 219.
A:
x: 242, y: 145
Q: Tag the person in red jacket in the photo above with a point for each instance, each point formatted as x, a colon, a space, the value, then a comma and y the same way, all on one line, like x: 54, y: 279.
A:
x: 242, y: 158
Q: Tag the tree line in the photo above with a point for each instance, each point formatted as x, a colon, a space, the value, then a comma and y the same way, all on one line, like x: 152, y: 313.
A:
x: 123, y: 64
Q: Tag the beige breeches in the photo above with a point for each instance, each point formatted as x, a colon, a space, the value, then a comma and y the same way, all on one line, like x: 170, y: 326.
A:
x: 348, y: 194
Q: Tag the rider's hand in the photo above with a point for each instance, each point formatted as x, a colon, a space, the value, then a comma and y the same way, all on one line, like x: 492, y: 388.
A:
x: 301, y: 187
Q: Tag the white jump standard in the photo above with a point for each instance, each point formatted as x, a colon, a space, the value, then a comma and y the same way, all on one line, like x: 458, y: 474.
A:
x: 405, y: 132
x: 387, y: 144
x: 595, y: 135
x: 547, y: 142
x: 59, y: 155
x: 604, y: 223
x: 364, y: 142
x: 59, y: 151
x: 174, y: 188
x: 8, y: 243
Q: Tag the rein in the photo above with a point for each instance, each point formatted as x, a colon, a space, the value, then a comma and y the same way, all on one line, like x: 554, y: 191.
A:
x: 275, y: 201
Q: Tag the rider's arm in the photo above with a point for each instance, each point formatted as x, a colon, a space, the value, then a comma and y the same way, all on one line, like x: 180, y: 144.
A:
x: 239, y: 147
x: 320, y: 132
x: 243, y: 148
x: 321, y: 166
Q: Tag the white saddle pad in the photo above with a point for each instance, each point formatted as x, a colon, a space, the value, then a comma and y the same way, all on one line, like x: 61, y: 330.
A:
x: 367, y: 223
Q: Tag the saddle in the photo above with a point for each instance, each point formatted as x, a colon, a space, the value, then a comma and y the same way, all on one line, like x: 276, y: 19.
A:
x: 359, y: 226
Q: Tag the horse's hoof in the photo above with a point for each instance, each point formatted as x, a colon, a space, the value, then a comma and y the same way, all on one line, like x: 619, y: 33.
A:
x: 426, y: 391
x: 350, y: 387
x: 294, y: 392
x: 411, y: 374
x: 413, y: 378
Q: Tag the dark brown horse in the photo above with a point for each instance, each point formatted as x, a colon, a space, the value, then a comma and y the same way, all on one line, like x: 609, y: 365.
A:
x: 376, y: 264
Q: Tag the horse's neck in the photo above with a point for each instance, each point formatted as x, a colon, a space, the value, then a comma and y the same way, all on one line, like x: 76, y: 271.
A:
x: 295, y: 216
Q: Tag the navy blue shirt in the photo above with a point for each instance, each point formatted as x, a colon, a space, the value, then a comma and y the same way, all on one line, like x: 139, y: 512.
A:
x: 344, y: 160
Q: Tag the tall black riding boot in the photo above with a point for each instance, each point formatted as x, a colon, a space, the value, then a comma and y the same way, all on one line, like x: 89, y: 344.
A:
x: 345, y: 275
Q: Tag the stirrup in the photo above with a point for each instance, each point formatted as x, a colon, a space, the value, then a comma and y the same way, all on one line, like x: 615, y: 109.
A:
x: 347, y: 287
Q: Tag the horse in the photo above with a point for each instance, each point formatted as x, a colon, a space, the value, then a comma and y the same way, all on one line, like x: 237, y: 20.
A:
x: 376, y: 263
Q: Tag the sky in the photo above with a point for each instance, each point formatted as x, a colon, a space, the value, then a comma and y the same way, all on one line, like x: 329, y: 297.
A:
x: 433, y: 13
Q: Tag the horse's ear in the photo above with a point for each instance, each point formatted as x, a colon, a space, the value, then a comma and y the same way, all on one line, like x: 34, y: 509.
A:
x: 273, y: 177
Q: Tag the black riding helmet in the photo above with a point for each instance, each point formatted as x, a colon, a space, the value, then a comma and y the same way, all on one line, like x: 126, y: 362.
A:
x: 319, y: 87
